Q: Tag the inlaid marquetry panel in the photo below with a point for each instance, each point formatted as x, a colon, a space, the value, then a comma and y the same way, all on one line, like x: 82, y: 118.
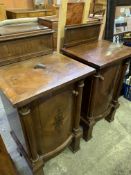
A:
x: 50, y: 117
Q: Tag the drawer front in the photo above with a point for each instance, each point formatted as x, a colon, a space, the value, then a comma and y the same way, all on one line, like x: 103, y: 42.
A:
x: 53, y: 121
x: 102, y: 91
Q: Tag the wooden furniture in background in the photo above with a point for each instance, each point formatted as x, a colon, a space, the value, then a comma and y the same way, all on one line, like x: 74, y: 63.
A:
x: 64, y: 13
x: 9, y: 29
x: 23, y: 13
x: 74, y: 13
x: 42, y: 94
x: 15, y: 4
x: 6, y: 164
x: 110, y: 62
x: 98, y: 6
x: 2, y: 12
x: 98, y: 11
x: 52, y: 23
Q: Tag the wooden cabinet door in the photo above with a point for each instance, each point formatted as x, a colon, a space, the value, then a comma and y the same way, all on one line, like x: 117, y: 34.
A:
x: 102, y: 91
x: 53, y: 120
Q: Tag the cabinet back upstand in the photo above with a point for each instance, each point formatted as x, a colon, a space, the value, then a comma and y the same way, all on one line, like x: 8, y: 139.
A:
x: 41, y: 92
x: 109, y: 60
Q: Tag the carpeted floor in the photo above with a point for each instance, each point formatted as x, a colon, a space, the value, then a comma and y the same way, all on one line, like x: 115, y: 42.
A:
x: 108, y: 153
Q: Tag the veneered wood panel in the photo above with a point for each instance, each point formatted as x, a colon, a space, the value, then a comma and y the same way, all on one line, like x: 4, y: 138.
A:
x: 74, y: 13
x: 50, y: 117
x: 103, y: 91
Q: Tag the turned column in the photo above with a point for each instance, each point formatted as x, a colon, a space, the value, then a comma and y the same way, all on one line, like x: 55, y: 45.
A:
x: 88, y: 121
x: 118, y: 88
x: 75, y: 145
x: 31, y: 143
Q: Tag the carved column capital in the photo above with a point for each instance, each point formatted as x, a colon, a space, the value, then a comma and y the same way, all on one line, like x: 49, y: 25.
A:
x: 81, y: 84
x: 24, y: 111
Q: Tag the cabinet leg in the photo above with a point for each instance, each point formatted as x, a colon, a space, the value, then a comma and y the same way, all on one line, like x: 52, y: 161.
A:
x: 87, y: 129
x: 39, y: 172
x: 75, y: 145
x: 111, y: 116
x: 87, y: 133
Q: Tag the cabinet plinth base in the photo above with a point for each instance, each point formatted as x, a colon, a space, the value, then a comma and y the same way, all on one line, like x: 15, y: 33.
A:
x: 75, y: 145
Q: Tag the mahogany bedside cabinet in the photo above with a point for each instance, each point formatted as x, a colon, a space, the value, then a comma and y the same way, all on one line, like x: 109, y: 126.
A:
x: 6, y: 164
x: 41, y: 92
x: 109, y: 60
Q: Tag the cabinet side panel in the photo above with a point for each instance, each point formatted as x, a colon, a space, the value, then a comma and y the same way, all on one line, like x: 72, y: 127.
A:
x: 14, y: 120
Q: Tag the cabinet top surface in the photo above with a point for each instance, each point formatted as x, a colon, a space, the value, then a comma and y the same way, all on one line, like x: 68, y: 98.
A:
x: 21, y: 27
x: 21, y: 83
x: 99, y: 54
